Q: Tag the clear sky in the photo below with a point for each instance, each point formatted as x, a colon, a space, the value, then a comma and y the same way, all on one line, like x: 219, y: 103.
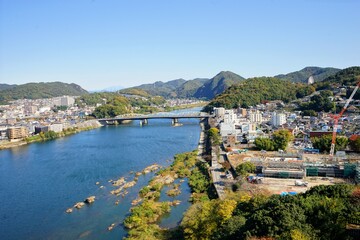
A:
x: 103, y: 43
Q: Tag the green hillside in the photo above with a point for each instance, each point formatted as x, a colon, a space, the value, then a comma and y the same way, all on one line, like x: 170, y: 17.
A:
x: 218, y: 84
x: 257, y: 90
x: 40, y: 90
x: 318, y: 73
x: 4, y: 86
x: 189, y: 88
x: 167, y: 89
x: 346, y: 77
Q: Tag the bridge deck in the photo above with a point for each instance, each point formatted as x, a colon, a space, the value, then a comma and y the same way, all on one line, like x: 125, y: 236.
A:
x: 153, y: 117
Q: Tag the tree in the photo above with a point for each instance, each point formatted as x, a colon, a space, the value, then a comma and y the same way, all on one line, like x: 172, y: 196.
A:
x: 245, y: 168
x: 225, y: 209
x: 324, y: 142
x: 264, y: 144
x: 320, y: 102
x: 281, y: 139
x: 311, y: 113
x: 355, y: 144
x: 214, y: 135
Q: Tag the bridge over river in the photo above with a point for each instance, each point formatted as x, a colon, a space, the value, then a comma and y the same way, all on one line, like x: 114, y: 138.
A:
x: 144, y: 118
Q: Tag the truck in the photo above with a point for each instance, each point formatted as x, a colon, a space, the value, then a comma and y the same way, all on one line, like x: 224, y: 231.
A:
x: 301, y: 183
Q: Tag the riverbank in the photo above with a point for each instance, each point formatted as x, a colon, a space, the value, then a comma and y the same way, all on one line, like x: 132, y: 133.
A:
x: 79, y: 127
x: 144, y: 219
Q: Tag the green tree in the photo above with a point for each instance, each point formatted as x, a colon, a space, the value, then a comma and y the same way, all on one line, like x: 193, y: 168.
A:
x: 320, y: 102
x: 50, y: 135
x: 355, y: 144
x: 264, y: 144
x: 281, y: 139
x: 214, y: 135
x: 311, y: 113
x: 244, y: 168
x: 323, y: 143
x: 198, y: 181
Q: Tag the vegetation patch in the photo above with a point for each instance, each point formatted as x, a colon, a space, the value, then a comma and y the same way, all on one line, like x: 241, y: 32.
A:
x: 321, y: 213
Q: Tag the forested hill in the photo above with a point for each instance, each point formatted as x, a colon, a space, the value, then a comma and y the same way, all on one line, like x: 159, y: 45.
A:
x: 4, y: 86
x: 302, y: 76
x: 167, y: 89
x: 218, y: 84
x: 40, y: 90
x: 346, y: 77
x: 257, y: 90
x: 198, y: 88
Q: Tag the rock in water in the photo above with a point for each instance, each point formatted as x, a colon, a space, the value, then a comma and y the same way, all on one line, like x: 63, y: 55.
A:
x: 69, y: 210
x: 79, y: 205
x: 111, y: 226
x: 90, y: 199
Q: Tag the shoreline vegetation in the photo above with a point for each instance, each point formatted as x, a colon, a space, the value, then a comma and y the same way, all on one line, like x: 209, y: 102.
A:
x: 144, y: 218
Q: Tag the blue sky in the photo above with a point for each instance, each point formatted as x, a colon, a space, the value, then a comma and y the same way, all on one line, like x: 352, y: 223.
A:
x: 102, y: 43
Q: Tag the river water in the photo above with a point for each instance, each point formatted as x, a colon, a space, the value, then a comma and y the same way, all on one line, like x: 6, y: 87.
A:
x: 38, y: 182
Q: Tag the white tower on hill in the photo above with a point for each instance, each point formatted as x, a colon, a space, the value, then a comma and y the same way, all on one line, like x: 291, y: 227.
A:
x: 311, y: 80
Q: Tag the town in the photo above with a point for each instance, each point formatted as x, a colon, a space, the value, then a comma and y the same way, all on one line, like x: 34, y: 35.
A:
x: 23, y: 118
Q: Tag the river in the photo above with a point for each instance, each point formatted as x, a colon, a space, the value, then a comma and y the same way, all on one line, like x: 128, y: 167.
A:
x: 39, y: 181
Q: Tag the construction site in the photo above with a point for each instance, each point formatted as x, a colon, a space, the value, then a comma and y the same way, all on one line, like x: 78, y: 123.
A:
x: 279, y: 172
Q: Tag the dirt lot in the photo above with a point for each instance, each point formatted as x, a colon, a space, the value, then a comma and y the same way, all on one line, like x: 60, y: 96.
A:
x: 279, y: 185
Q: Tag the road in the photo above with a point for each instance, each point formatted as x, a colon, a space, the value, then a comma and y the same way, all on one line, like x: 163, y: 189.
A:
x: 217, y: 173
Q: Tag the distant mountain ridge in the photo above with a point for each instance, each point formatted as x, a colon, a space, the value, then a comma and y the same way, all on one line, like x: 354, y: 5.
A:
x: 40, y: 90
x: 4, y: 86
x: 208, y: 88
x: 196, y: 88
x: 302, y: 76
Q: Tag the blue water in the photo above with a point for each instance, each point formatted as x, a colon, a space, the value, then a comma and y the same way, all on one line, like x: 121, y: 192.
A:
x: 38, y: 182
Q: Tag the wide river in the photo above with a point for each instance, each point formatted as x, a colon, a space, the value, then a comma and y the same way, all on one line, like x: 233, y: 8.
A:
x: 38, y: 182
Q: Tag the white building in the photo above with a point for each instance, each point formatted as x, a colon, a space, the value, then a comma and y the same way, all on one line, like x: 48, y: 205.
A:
x: 311, y: 80
x: 56, y: 127
x: 219, y: 112
x: 227, y: 129
x: 255, y: 117
x: 230, y: 116
x: 278, y: 119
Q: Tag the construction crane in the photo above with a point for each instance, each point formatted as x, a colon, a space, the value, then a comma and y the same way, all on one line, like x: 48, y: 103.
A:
x: 336, y: 120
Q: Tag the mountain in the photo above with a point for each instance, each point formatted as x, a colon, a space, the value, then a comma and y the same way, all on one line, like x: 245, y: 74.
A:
x: 108, y: 89
x: 40, y: 90
x: 4, y: 86
x: 218, y: 84
x: 189, y: 88
x: 167, y: 89
x: 258, y: 90
x: 196, y: 88
x: 346, y: 77
x: 302, y: 76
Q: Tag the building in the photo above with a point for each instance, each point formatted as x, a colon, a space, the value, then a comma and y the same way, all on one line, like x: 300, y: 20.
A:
x: 229, y: 116
x: 40, y: 129
x: 11, y: 121
x: 17, y: 133
x: 56, y: 127
x: 3, y: 133
x: 30, y: 109
x: 278, y: 119
x: 310, y: 80
x: 67, y: 101
x: 219, y: 112
x: 242, y: 112
x: 255, y: 117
